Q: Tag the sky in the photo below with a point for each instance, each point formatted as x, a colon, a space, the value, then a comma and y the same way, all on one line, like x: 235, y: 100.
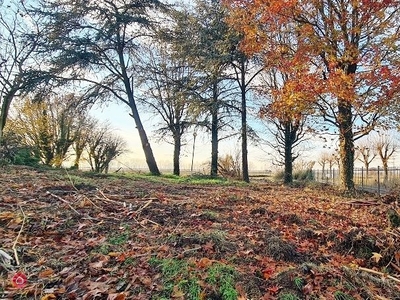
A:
x: 124, y: 126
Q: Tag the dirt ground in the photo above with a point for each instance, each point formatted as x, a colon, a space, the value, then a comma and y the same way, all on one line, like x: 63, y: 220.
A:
x: 83, y: 236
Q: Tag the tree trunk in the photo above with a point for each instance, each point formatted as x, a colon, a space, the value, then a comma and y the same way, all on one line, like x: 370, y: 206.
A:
x: 346, y: 144
x: 177, y: 152
x: 148, y: 152
x: 5, y: 107
x: 214, y: 132
x: 385, y: 170
x: 245, y: 164
x: 288, y: 173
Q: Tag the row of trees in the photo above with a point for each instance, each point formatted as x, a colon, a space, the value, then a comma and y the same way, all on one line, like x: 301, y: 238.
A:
x: 331, y: 63
x: 382, y: 145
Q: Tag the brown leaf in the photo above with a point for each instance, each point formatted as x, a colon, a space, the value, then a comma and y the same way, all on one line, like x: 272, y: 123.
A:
x: 177, y: 293
x: 308, y: 288
x: 46, y: 273
x: 204, y: 262
x: 117, y: 296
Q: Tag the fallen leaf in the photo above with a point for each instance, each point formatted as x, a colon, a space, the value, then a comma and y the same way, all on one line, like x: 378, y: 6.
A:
x: 117, y: 296
x: 397, y: 257
x: 308, y: 288
x: 376, y: 256
x: 274, y: 289
x: 268, y: 272
x: 177, y: 293
x: 204, y: 262
x: 46, y: 273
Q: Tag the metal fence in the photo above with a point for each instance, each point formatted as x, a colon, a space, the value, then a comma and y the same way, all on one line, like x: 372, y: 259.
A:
x: 374, y: 179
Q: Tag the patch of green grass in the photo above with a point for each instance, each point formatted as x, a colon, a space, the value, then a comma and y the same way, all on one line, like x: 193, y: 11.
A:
x: 210, y: 215
x: 299, y: 283
x: 176, y: 272
x: 104, y: 249
x: 130, y: 261
x: 187, y: 278
x: 338, y: 295
x: 223, y: 276
x: 119, y: 239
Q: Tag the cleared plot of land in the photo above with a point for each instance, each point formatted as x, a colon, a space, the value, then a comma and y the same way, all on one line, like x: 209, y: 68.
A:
x: 82, y: 236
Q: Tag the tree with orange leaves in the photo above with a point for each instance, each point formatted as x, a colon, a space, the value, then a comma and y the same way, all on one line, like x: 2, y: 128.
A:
x: 352, y: 47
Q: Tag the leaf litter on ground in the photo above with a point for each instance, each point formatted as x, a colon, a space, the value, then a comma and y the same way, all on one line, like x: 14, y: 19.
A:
x: 81, y: 236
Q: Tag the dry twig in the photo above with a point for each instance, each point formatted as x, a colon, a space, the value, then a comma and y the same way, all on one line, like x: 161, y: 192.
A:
x: 14, y: 247
x: 379, y: 273
x: 65, y: 201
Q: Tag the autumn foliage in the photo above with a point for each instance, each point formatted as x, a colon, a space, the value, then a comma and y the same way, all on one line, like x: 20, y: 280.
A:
x: 344, y: 54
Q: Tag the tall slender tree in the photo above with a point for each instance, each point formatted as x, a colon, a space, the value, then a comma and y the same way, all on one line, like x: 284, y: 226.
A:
x: 203, y: 37
x: 166, y: 81
x: 95, y: 42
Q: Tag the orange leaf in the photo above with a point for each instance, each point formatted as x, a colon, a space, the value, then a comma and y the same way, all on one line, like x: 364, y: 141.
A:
x: 268, y: 272
x: 46, y: 273
x: 397, y: 257
x: 274, y: 289
x: 118, y: 296
x: 204, y: 262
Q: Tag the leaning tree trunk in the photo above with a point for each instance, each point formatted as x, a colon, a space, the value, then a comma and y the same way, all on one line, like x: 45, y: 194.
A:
x: 148, y: 152
x: 346, y: 144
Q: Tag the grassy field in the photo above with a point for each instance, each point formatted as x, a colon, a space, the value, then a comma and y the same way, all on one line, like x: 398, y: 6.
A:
x: 78, y: 235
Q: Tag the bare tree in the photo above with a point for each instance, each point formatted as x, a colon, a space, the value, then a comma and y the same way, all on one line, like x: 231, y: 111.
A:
x: 86, y: 125
x: 366, y: 154
x: 102, y: 147
x: 385, y: 146
x: 323, y: 160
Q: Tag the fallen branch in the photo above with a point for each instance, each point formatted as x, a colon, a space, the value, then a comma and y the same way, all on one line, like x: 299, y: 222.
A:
x: 108, y: 199
x: 65, y: 201
x: 144, y: 206
x: 361, y: 202
x: 155, y: 223
x: 14, y: 247
x: 379, y: 273
x: 190, y: 250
